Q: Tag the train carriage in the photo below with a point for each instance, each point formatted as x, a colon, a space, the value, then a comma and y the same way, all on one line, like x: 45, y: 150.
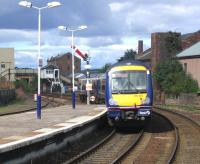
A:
x: 129, y: 93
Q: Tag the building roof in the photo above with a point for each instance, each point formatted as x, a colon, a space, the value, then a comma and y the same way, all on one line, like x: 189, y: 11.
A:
x: 146, y: 55
x: 58, y: 56
x: 50, y: 67
x: 192, y: 51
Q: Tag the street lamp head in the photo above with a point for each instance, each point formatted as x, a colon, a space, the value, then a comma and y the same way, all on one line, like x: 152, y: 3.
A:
x: 53, y: 4
x: 62, y: 28
x: 25, y: 4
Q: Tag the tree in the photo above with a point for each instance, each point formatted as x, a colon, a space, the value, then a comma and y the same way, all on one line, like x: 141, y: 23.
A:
x: 27, y: 87
x: 105, y: 67
x: 173, y: 80
x: 128, y: 55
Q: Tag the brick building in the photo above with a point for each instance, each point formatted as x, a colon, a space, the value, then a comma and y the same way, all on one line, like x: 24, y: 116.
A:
x: 64, y: 63
x: 189, y: 54
x: 187, y: 40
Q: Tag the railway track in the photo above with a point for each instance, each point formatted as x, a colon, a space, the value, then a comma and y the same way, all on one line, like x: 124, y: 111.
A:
x: 157, y: 142
x: 189, y: 137
x: 47, y: 102
x: 110, y: 150
x: 157, y: 145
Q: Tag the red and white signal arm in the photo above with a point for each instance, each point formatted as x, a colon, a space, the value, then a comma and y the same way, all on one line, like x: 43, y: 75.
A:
x: 89, y: 87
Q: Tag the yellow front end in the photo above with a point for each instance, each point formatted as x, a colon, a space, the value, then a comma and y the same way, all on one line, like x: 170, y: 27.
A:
x: 133, y: 99
x: 127, y: 100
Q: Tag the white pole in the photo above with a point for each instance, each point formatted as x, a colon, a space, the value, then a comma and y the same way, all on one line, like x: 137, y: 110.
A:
x: 73, y: 61
x: 73, y: 92
x: 39, y: 30
x: 39, y: 96
x: 88, y: 92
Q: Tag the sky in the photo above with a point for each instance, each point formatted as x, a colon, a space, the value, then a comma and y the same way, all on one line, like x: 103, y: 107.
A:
x: 113, y: 27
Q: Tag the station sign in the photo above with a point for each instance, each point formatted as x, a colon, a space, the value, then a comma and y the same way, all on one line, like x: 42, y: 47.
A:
x: 40, y: 62
x: 89, y: 87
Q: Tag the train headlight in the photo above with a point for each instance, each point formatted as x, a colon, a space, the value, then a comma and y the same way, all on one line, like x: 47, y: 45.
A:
x: 112, y: 102
x: 146, y: 100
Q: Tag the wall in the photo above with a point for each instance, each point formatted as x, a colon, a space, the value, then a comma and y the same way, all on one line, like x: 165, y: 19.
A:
x: 160, y: 51
x: 193, y: 67
x: 64, y: 62
x: 7, y: 60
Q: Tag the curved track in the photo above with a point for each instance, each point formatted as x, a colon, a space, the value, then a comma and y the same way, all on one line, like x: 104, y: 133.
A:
x: 157, y: 145
x: 110, y: 149
x: 189, y: 133
x: 157, y: 142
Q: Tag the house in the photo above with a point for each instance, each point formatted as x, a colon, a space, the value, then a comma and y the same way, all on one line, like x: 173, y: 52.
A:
x: 64, y: 63
x: 190, y: 59
x: 152, y: 55
x: 50, y: 72
x: 7, y: 63
x: 51, y: 76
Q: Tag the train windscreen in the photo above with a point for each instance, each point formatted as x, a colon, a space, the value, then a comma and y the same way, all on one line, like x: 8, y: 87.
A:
x: 129, y: 81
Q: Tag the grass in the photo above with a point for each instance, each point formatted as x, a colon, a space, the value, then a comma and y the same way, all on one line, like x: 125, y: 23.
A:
x: 15, y: 105
x: 188, y: 107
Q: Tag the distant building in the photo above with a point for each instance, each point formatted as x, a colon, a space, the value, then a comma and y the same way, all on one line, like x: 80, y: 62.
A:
x: 146, y: 56
x: 7, y: 63
x: 190, y: 59
x: 64, y: 63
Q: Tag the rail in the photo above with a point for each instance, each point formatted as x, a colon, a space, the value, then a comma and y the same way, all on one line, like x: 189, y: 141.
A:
x: 177, y: 138
x: 189, y: 131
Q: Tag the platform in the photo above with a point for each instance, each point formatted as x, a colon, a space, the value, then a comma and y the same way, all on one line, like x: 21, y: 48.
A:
x: 21, y: 129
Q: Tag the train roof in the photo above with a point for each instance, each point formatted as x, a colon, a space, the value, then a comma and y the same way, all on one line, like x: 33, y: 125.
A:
x: 127, y: 63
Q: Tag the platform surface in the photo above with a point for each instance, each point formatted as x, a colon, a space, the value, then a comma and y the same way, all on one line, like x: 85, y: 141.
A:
x: 25, y: 126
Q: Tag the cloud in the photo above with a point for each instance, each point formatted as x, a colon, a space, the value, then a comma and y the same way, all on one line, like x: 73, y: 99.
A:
x: 113, y: 26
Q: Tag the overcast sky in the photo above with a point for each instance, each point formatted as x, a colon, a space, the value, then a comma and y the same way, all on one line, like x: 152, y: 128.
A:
x: 113, y: 26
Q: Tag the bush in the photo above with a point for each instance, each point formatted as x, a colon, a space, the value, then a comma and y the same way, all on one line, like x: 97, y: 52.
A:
x: 27, y: 87
x: 172, y: 78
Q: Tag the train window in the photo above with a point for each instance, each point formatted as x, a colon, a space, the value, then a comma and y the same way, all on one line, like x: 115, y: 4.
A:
x: 128, y: 81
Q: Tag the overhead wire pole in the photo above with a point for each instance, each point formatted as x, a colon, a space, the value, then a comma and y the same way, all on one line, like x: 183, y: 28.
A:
x: 29, y: 5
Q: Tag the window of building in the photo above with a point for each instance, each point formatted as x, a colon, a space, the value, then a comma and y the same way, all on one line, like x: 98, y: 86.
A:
x: 49, y: 71
x: 3, y: 65
x: 185, y: 67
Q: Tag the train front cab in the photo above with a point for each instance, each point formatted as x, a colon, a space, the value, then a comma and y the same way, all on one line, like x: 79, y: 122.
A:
x: 132, y: 102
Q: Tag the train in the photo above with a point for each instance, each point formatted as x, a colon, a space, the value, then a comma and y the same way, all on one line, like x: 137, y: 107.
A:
x: 128, y: 92
x: 97, y: 94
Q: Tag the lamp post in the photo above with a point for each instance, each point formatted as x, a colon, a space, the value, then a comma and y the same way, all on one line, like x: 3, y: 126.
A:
x: 30, y: 5
x: 87, y: 67
x: 72, y: 30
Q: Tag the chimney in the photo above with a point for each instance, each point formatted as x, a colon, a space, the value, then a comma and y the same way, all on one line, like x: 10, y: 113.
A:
x: 140, y: 47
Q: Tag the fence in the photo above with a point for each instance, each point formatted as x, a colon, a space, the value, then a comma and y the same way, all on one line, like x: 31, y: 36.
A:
x: 185, y: 99
x: 6, y: 95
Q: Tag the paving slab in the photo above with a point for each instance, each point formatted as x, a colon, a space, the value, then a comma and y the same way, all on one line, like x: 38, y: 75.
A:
x: 18, y: 127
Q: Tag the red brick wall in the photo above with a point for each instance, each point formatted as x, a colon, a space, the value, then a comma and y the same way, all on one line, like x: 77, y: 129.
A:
x: 64, y: 63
